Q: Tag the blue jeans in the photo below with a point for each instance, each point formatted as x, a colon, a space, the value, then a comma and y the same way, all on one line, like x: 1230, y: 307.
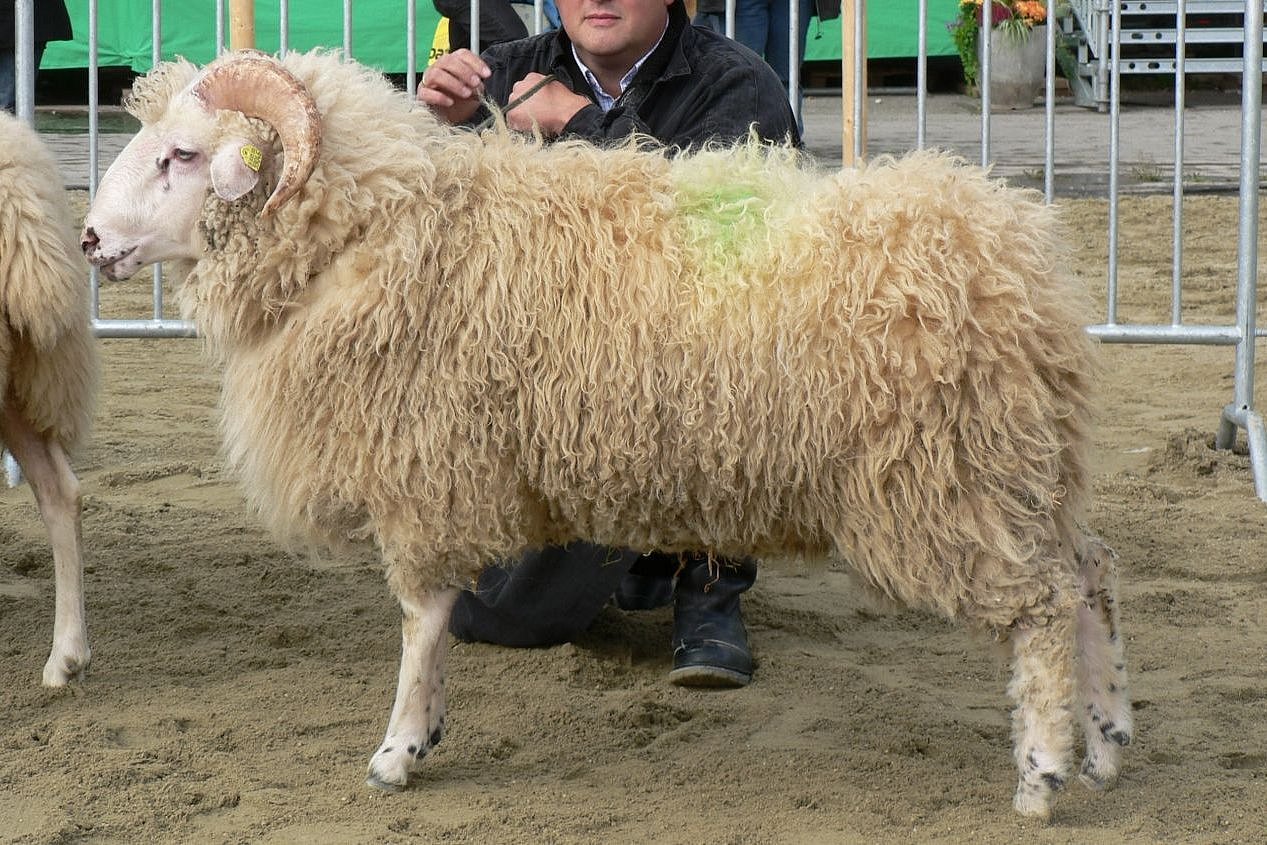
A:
x: 762, y: 26
x: 8, y: 76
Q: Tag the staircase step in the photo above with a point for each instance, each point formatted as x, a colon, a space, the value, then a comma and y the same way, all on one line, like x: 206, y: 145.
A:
x: 1217, y: 64
x: 1131, y: 37
x: 1171, y: 8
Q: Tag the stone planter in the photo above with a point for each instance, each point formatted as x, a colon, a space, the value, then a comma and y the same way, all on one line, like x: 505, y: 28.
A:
x: 1016, y: 69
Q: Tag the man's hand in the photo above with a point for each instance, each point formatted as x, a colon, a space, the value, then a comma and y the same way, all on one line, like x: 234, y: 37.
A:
x: 550, y: 108
x: 452, y: 86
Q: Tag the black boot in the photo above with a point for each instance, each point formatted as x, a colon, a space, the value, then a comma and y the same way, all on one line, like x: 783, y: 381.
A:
x: 649, y: 582
x: 710, y: 644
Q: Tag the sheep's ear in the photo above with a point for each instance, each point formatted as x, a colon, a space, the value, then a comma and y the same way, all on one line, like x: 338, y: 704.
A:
x: 235, y: 169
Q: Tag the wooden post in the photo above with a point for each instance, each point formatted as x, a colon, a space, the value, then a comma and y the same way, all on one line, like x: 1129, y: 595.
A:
x: 853, y: 81
x: 241, y: 24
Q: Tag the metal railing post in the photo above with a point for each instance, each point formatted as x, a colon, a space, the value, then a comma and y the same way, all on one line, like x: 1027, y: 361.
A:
x: 24, y: 59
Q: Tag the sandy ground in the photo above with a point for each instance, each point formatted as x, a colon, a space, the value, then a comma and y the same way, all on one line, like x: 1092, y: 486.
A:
x: 237, y: 690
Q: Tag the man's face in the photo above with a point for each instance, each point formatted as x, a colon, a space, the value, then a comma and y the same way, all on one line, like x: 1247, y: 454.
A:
x: 608, y: 33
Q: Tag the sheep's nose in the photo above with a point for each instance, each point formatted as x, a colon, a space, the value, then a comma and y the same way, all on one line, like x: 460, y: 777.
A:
x: 89, y: 241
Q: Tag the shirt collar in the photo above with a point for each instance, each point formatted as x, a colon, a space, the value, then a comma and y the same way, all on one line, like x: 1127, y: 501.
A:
x: 607, y: 101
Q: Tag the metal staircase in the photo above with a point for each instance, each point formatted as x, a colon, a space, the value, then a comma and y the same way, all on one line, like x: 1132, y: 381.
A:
x: 1149, y: 34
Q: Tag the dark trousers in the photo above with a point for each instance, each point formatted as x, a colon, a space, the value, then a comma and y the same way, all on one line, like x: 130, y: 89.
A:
x: 549, y: 597
x: 8, y: 75
x: 552, y: 595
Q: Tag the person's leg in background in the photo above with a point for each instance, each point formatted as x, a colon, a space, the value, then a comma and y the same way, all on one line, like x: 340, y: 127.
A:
x: 752, y: 24
x: 776, y: 50
x: 8, y: 81
x: 762, y: 26
x: 711, y: 14
x: 710, y: 20
x: 8, y: 76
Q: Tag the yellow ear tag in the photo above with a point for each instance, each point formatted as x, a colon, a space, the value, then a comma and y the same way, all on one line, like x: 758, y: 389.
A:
x: 252, y: 157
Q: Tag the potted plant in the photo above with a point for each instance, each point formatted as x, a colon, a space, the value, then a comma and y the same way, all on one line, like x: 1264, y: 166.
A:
x: 1017, y: 48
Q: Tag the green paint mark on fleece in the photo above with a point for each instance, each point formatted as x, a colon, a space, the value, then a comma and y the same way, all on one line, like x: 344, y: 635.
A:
x: 733, y: 206
x: 722, y: 222
x: 739, y: 214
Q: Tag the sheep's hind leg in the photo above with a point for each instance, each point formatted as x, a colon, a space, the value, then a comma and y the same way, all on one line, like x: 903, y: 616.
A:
x: 417, y: 720
x: 1042, y: 721
x: 1106, y: 706
x: 47, y: 469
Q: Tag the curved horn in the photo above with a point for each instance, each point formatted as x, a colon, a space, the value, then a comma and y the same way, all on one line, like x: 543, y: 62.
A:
x: 257, y: 86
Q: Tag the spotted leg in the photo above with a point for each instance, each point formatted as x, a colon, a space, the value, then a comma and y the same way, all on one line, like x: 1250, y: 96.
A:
x: 47, y: 470
x: 1042, y: 688
x: 417, y: 720
x: 1106, y: 706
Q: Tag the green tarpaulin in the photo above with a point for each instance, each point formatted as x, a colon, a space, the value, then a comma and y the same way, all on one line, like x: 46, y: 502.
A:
x: 378, y: 31
x: 892, y: 31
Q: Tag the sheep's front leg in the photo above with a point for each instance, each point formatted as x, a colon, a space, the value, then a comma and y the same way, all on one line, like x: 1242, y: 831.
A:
x: 1042, y: 721
x: 1106, y: 706
x: 47, y: 470
x: 417, y: 721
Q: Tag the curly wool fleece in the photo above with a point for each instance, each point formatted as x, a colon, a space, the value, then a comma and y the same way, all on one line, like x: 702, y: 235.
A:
x: 48, y: 362
x: 462, y: 346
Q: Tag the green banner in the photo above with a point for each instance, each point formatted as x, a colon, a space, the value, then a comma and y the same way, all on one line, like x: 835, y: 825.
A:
x: 188, y: 29
x: 892, y: 31
x: 378, y: 31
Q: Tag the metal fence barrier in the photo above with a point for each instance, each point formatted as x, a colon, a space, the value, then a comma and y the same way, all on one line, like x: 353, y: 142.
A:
x: 1238, y: 414
x: 1243, y: 333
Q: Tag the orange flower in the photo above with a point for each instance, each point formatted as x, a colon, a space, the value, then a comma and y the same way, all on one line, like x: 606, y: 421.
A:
x: 1031, y: 11
x: 1028, y: 12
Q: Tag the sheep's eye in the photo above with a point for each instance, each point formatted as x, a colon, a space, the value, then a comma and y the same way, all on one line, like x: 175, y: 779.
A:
x: 184, y: 155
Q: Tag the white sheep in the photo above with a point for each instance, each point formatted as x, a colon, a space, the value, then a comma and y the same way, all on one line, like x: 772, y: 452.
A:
x: 48, y: 367
x: 461, y: 346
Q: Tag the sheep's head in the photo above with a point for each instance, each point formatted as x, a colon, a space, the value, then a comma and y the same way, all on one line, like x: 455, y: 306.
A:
x: 148, y: 204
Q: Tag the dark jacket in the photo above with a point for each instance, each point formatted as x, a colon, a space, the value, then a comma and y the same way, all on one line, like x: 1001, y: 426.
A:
x: 697, y: 86
x: 52, y: 23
